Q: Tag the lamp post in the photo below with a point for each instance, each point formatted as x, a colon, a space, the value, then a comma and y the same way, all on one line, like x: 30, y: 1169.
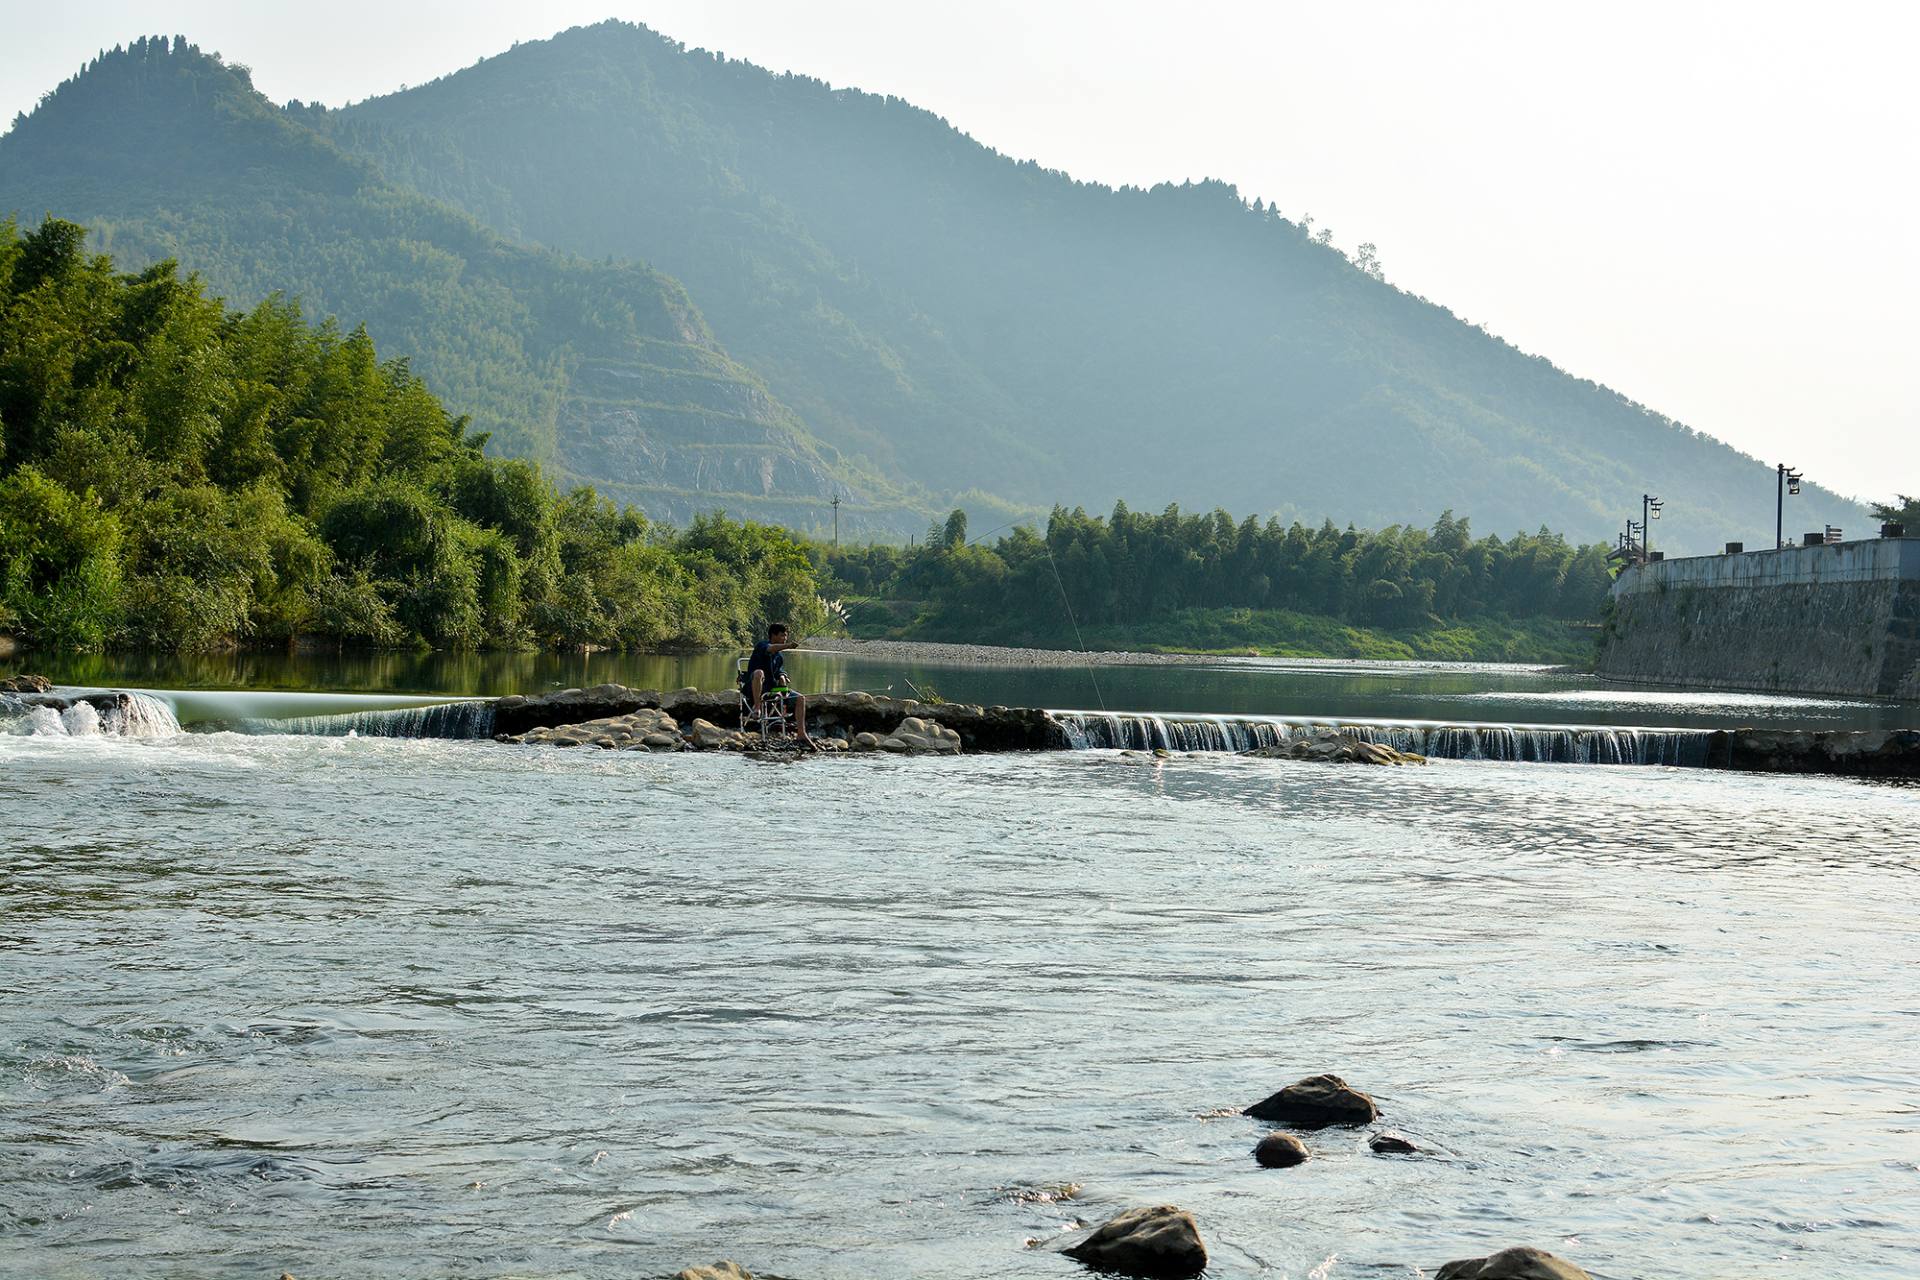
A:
x: 1787, y: 481
x: 1636, y: 532
x: 1649, y: 510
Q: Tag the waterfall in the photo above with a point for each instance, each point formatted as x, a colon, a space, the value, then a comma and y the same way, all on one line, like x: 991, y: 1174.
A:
x: 87, y: 715
x: 1558, y: 744
x: 472, y: 719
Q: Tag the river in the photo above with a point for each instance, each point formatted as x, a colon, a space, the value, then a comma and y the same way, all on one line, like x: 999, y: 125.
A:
x: 397, y: 1008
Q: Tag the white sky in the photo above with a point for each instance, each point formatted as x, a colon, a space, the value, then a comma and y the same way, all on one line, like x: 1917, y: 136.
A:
x: 1709, y: 207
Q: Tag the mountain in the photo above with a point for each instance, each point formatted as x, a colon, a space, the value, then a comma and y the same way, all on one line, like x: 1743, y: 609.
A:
x: 605, y: 370
x: 963, y: 320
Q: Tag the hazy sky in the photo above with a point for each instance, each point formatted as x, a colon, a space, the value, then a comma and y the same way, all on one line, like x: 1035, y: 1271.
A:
x: 1709, y: 207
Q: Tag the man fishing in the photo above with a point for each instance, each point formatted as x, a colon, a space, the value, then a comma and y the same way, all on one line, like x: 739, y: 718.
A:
x: 767, y: 670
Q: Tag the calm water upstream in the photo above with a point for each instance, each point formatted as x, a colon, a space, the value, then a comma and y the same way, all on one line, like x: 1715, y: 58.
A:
x: 404, y: 1008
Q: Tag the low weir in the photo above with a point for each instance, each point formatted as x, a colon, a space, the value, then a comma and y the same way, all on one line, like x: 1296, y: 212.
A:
x: 81, y: 713
x: 1544, y: 744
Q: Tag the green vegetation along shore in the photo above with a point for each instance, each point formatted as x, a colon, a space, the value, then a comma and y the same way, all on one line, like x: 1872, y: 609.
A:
x: 1209, y: 584
x: 179, y: 476
x: 175, y: 475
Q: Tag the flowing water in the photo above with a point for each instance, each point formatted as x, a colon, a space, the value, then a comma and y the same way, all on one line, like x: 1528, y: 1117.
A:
x: 387, y: 1007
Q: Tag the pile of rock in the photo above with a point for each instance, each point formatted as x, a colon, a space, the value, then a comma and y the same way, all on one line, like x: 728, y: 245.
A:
x: 648, y: 729
x: 914, y: 736
x: 25, y: 684
x: 1333, y: 747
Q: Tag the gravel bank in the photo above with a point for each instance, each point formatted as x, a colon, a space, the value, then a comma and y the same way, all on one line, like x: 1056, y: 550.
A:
x: 987, y: 655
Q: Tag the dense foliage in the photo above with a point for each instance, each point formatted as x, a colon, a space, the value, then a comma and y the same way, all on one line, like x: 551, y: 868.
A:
x: 1904, y: 510
x: 179, y: 475
x: 1205, y: 580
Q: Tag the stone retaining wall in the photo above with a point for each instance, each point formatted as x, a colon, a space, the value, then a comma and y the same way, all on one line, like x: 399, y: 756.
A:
x: 1838, y: 620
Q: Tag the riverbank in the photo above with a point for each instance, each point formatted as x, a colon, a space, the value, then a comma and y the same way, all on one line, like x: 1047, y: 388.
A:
x: 1272, y: 633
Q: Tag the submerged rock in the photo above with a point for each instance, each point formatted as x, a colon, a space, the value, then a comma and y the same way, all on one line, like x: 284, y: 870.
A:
x: 1391, y: 1144
x: 1280, y: 1151
x: 1162, y: 1241
x: 1316, y: 1103
x: 1523, y: 1263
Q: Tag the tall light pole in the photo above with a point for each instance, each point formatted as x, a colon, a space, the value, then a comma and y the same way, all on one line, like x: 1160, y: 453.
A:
x: 836, y: 522
x: 1649, y: 510
x: 1787, y: 481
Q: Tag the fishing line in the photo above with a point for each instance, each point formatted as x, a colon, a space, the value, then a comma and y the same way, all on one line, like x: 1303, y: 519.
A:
x: 1078, y: 638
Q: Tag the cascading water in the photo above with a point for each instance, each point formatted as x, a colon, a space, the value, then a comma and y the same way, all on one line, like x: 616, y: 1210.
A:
x: 1559, y: 744
x: 87, y: 715
x: 438, y: 720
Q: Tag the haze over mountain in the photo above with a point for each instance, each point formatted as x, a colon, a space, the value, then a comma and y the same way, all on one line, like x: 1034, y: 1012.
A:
x: 940, y: 318
x: 607, y: 371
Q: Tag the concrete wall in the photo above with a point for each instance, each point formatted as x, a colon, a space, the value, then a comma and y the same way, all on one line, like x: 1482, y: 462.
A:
x: 1841, y: 620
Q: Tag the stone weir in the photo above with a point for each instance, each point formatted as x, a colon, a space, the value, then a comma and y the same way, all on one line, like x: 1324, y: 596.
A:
x: 610, y: 713
x: 828, y: 714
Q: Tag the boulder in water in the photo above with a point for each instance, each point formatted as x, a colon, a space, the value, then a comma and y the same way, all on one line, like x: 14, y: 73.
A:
x: 1391, y: 1144
x: 1316, y: 1103
x: 1279, y: 1151
x: 1523, y: 1263
x: 25, y: 684
x: 708, y: 736
x: 1159, y: 1243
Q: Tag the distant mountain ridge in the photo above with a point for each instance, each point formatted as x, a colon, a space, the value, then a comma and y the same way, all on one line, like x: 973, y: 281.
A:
x: 967, y: 320
x: 606, y: 371
x: 874, y: 303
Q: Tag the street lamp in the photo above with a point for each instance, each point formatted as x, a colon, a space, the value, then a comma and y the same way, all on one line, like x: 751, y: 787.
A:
x: 1787, y: 481
x: 1649, y: 510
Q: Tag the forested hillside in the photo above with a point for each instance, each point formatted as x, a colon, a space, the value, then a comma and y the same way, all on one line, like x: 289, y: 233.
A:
x: 965, y: 320
x: 173, y: 474
x: 604, y: 370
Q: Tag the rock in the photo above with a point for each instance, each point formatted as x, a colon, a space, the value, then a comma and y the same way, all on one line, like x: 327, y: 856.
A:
x: 26, y: 684
x: 718, y: 1271
x: 707, y: 736
x: 1279, y: 1151
x: 920, y: 736
x: 1391, y: 1144
x: 666, y: 741
x: 1315, y: 1103
x: 866, y: 742
x: 1162, y: 1241
x: 1333, y: 746
x: 1523, y: 1263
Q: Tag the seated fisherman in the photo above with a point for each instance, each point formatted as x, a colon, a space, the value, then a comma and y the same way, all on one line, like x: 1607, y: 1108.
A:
x: 767, y: 669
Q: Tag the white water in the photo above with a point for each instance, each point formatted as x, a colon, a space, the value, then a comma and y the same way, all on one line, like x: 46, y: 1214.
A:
x: 140, y: 716
x: 1564, y: 744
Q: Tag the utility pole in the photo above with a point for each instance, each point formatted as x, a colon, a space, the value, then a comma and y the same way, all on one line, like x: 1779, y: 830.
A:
x: 836, y: 522
x: 1787, y: 481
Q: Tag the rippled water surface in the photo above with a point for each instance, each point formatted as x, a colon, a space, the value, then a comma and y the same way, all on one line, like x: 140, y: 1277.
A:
x: 390, y: 1008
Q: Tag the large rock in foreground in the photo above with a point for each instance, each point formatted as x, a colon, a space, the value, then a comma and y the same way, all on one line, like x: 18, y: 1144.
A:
x: 1160, y: 1242
x: 1316, y: 1103
x: 25, y: 684
x: 1513, y: 1264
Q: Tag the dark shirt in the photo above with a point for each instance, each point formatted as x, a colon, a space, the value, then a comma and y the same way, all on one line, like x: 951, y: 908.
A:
x: 765, y: 659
